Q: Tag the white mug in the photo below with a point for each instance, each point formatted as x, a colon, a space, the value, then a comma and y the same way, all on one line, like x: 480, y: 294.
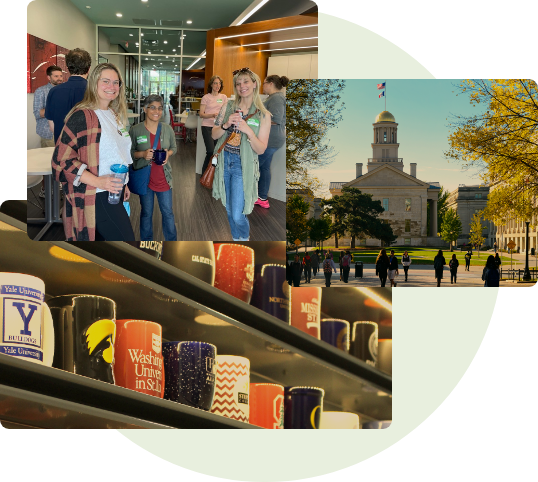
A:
x: 339, y: 420
x: 26, y: 329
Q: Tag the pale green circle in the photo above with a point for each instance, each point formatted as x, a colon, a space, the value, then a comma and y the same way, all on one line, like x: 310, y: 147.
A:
x: 436, y: 337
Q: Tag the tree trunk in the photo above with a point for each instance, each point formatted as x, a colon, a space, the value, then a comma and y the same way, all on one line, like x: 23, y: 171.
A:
x: 352, y: 242
x: 335, y: 241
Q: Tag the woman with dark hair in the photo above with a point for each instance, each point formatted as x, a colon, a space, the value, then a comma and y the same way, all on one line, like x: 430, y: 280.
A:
x: 210, y: 107
x: 274, y: 86
x: 438, y: 263
x: 93, y: 139
x: 490, y: 275
x: 382, y: 266
x: 406, y: 262
x: 160, y: 180
x: 453, y: 265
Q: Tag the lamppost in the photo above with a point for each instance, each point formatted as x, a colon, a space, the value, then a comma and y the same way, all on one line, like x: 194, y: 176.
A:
x: 527, y: 273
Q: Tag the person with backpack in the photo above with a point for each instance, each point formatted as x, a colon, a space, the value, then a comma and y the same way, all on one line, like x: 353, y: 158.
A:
x: 382, y: 266
x: 490, y: 275
x: 406, y: 262
x: 345, y: 264
x: 314, y: 260
x: 393, y: 268
x: 328, y: 267
x: 438, y: 263
x: 296, y: 270
x: 468, y: 260
x: 453, y: 265
x: 307, y: 266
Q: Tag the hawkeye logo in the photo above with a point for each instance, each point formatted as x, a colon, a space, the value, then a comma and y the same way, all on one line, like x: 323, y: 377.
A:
x: 100, y: 338
x: 22, y: 322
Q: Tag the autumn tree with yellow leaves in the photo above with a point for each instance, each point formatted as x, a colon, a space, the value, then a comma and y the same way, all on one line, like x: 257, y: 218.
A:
x: 502, y: 141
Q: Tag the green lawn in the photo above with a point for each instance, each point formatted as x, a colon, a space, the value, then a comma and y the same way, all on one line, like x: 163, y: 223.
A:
x: 419, y: 256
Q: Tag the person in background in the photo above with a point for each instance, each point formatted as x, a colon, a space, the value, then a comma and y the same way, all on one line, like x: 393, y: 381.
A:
x: 160, y: 180
x: 490, y: 275
x: 406, y: 262
x: 453, y: 265
x: 438, y: 263
x: 242, y: 126
x: 342, y: 254
x: 55, y: 76
x: 62, y: 98
x: 275, y: 87
x: 210, y: 107
x: 382, y: 266
x: 495, y: 247
x: 393, y: 268
x: 307, y: 266
x: 468, y: 260
x: 289, y: 278
x: 296, y: 270
x: 498, y: 263
x: 345, y: 263
x: 95, y: 138
x: 314, y: 259
x: 328, y: 267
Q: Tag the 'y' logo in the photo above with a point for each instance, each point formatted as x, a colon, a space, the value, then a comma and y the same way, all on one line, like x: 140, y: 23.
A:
x: 26, y: 319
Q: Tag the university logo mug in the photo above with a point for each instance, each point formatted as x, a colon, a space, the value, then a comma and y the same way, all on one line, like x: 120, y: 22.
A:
x: 26, y: 329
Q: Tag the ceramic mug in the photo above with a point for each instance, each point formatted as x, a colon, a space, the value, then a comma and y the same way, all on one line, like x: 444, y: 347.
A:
x: 159, y: 156
x: 304, y: 406
x: 138, y: 359
x: 364, y: 338
x: 234, y: 273
x: 232, y: 389
x: 271, y: 291
x: 336, y: 333
x: 196, y: 258
x: 266, y: 402
x: 26, y: 328
x: 305, y: 310
x: 85, y: 332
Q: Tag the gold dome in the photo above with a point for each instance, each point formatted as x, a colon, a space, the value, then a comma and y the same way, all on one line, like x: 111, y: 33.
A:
x: 385, y: 116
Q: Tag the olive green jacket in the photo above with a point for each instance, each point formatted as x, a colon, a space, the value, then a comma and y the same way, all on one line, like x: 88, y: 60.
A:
x: 140, y: 142
x: 249, y: 163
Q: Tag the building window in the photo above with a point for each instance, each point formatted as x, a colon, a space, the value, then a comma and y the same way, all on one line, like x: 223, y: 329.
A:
x: 393, y: 137
x: 478, y: 196
x: 407, y: 241
x: 385, y: 137
x: 377, y: 137
x: 407, y: 225
x: 386, y: 204
x: 408, y: 204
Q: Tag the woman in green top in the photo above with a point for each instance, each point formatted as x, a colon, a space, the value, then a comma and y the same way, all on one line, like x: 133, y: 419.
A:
x: 237, y: 172
x: 160, y: 181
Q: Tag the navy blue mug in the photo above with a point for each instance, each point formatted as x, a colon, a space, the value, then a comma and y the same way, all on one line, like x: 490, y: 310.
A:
x: 364, y: 338
x: 189, y: 373
x: 303, y: 407
x: 336, y: 333
x: 159, y: 156
x: 271, y: 291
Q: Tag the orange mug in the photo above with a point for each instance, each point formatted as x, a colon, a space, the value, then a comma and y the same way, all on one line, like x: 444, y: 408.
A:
x: 138, y: 358
x: 305, y: 310
x: 234, y: 272
x: 267, y: 405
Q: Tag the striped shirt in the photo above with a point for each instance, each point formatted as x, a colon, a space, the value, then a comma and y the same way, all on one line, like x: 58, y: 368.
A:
x: 40, y: 100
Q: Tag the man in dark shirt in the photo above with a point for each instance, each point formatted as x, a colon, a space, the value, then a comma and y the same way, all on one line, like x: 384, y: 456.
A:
x: 63, y: 97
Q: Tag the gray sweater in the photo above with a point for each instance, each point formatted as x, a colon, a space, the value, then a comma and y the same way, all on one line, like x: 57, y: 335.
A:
x: 276, y: 104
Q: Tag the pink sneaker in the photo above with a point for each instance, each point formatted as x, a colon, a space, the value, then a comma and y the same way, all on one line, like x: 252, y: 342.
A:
x: 263, y: 204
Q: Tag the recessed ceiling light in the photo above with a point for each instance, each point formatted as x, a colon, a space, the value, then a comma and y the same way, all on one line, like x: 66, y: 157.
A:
x: 119, y: 15
x: 268, y: 31
x: 130, y: 35
x: 173, y: 50
x: 142, y: 34
x: 144, y: 1
x: 149, y: 53
x: 291, y: 48
x: 189, y: 21
x: 161, y: 63
x: 167, y: 56
x: 87, y: 6
x: 278, y: 41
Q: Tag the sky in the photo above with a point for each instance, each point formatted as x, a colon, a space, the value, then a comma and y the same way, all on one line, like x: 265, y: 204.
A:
x: 423, y: 110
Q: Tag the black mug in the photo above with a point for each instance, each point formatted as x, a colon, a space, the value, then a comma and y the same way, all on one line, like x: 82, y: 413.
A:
x: 84, y: 332
x: 196, y: 258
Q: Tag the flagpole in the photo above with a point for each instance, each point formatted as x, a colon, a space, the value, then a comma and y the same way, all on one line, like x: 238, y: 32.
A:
x: 385, y: 95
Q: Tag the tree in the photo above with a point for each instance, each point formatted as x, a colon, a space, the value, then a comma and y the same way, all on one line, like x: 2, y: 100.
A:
x: 296, y: 224
x: 475, y: 236
x: 451, y: 227
x: 313, y: 107
x: 502, y: 141
x: 319, y: 229
x: 335, y: 210
x: 441, y: 208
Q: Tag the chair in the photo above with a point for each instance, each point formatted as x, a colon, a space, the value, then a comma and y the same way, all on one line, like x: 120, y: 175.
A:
x: 32, y: 181
x: 191, y: 124
x: 180, y: 127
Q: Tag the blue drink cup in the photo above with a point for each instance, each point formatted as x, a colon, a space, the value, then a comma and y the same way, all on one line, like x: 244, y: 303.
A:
x: 271, y: 291
x: 336, y: 333
x: 119, y: 171
x: 159, y: 156
x: 189, y: 373
x: 305, y: 407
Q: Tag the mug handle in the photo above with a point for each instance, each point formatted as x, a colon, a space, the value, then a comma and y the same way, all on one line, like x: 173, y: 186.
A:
x: 48, y: 337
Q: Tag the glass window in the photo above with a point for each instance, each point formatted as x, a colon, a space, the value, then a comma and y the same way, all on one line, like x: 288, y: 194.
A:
x: 408, y: 204
x: 407, y: 225
x: 385, y: 137
x: 407, y: 241
x: 386, y: 204
x: 478, y: 196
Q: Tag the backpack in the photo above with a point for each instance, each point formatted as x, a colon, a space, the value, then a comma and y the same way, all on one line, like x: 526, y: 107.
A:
x: 438, y: 262
x: 454, y: 263
x: 327, y: 266
x: 345, y: 261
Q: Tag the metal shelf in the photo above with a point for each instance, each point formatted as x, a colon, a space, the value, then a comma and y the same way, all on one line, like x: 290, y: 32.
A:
x: 146, y: 288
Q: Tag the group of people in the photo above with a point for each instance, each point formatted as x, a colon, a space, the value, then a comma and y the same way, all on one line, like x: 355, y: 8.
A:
x: 85, y: 119
x: 311, y: 264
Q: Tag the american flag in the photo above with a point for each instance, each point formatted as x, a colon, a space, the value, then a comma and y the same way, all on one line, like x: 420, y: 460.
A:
x: 381, y: 86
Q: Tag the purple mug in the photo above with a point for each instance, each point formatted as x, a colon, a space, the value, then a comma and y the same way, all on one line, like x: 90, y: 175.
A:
x: 159, y: 156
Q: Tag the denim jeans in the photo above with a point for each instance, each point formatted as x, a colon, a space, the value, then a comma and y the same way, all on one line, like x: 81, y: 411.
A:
x: 235, y: 198
x: 265, y: 171
x: 146, y: 215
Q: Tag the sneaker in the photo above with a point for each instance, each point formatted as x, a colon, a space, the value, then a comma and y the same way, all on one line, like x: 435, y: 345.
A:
x: 42, y: 193
x: 263, y: 204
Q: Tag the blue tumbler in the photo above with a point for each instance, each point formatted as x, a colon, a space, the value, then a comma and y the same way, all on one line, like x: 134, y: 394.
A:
x: 271, y: 291
x: 336, y: 333
x: 189, y: 373
x: 303, y: 407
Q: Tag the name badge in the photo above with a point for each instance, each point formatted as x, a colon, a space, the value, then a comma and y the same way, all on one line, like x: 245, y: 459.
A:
x: 141, y: 139
x: 253, y: 122
x: 124, y: 132
x: 219, y: 101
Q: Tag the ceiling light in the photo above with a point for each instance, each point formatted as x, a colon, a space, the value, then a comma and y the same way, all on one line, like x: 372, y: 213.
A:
x: 87, y: 6
x: 173, y: 50
x: 149, y: 53
x: 189, y: 21
x: 130, y: 35
x: 278, y: 41
x: 267, y: 31
x: 248, y: 13
x: 165, y: 42
x: 119, y: 15
x: 142, y: 34
x: 167, y: 56
x: 291, y: 48
x: 144, y: 1
x: 146, y: 58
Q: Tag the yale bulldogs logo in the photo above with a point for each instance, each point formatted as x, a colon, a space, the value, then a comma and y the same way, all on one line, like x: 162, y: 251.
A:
x: 22, y: 322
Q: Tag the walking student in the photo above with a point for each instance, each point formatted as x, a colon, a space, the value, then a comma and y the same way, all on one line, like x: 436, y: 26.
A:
x: 406, y: 262
x: 468, y: 260
x: 381, y: 266
x: 314, y: 260
x: 342, y: 254
x: 345, y: 262
x: 307, y: 268
x: 296, y: 270
x: 490, y: 275
x: 498, y: 263
x: 328, y: 267
x: 393, y: 268
x: 453, y: 265
x: 438, y: 263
